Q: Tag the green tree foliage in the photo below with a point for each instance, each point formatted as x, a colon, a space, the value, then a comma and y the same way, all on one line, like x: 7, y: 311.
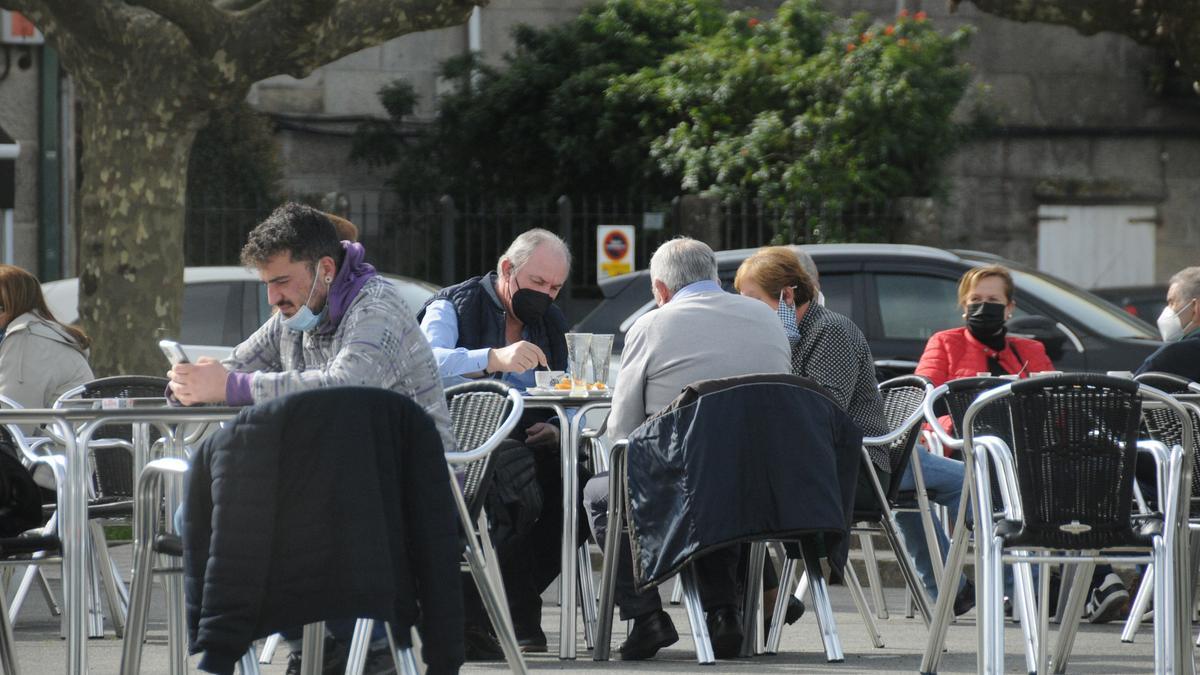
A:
x: 541, y: 124
x: 804, y: 111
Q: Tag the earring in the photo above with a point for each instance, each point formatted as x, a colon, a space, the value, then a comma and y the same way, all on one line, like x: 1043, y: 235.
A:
x: 329, y: 280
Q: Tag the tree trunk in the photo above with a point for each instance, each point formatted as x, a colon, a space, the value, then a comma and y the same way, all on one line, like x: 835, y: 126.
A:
x: 131, y: 254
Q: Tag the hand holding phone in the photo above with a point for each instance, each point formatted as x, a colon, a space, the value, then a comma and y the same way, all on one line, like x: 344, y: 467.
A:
x: 173, y: 351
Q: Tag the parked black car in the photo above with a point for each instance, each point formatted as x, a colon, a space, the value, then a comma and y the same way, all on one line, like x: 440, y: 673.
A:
x: 1144, y: 302
x: 900, y: 295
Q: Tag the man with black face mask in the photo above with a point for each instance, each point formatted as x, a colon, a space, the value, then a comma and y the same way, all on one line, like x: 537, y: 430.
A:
x: 505, y: 325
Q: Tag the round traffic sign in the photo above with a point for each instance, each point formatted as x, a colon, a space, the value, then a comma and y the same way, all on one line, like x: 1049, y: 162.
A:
x: 616, y: 245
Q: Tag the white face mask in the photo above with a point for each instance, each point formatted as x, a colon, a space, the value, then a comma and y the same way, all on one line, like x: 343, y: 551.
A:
x: 1169, y: 325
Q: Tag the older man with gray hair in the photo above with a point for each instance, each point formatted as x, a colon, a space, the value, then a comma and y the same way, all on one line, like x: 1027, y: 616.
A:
x: 699, y: 332
x: 1179, y: 325
x: 504, y: 325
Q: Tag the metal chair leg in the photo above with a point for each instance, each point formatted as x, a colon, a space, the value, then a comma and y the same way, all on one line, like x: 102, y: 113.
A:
x: 312, y: 649
x: 1025, y: 603
x: 403, y: 657
x: 864, y: 610
x: 822, y: 608
x: 905, y: 562
x: 873, y: 577
x: 677, y: 592
x: 587, y: 595
x: 1140, y: 604
x: 608, y: 569
x: 248, y: 664
x: 268, y: 651
x: 943, y: 610
x: 1042, y: 661
x: 117, y: 601
x: 8, y: 655
x: 752, y: 600
x: 360, y: 644
x: 691, y: 600
x: 1071, y: 620
x: 781, y: 602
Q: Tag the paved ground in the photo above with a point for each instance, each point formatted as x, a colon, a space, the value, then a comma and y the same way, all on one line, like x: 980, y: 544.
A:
x: 1097, y: 649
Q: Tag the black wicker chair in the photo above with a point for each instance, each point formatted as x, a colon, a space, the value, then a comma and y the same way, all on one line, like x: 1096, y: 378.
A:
x: 1162, y: 424
x: 903, y: 404
x: 1067, y: 473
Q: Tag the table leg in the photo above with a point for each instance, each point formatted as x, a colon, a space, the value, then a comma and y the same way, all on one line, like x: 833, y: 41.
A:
x: 76, y: 554
x: 570, y: 478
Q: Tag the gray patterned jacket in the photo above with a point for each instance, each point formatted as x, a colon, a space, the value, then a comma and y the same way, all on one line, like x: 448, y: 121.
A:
x: 377, y: 344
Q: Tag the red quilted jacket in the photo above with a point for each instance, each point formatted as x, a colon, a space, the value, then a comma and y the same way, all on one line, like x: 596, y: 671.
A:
x: 955, y: 353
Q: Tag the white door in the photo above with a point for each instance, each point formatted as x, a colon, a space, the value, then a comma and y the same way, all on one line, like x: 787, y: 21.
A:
x: 1097, y: 246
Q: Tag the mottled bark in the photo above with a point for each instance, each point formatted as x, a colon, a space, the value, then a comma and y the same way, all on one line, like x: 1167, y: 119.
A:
x: 1171, y: 25
x: 148, y: 73
x: 131, y: 253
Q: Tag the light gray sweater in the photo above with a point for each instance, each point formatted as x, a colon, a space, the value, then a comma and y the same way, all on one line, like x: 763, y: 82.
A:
x: 698, y: 337
x: 376, y: 344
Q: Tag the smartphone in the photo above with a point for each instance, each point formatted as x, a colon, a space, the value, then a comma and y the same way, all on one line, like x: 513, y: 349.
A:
x: 173, y: 352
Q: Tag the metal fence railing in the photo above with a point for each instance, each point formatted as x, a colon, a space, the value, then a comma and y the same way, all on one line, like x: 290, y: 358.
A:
x: 444, y: 239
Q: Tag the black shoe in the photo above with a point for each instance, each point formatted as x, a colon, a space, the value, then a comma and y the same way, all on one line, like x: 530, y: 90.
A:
x: 531, y: 640
x: 725, y: 631
x: 965, y: 600
x: 481, y: 646
x: 380, y: 662
x: 795, y: 610
x: 650, y: 633
x: 334, y: 662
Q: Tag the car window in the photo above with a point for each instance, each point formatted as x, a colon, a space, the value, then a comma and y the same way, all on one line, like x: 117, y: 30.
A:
x: 414, y: 295
x: 212, y: 313
x: 915, y: 306
x: 839, y: 293
x: 1101, y: 318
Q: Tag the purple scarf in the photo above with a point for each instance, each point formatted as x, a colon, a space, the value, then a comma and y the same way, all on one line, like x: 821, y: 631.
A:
x: 346, y: 285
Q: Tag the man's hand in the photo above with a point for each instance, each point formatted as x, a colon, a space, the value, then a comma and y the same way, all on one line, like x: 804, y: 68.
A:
x: 541, y: 434
x: 516, y: 358
x: 202, y: 382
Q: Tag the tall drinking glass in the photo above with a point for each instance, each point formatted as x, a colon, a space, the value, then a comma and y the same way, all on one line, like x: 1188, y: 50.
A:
x: 578, y: 351
x: 601, y: 355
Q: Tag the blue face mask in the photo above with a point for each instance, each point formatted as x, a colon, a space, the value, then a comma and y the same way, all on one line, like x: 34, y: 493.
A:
x: 304, y: 320
x: 787, y: 316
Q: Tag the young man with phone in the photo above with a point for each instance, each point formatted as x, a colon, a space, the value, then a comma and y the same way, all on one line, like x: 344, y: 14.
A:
x: 338, y: 324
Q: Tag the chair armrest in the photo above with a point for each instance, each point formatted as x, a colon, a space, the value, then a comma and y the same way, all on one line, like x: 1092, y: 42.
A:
x: 1002, y: 459
x: 1162, y: 460
x: 935, y: 424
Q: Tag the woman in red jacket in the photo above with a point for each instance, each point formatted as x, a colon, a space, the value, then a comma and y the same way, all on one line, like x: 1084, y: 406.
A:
x: 983, y: 347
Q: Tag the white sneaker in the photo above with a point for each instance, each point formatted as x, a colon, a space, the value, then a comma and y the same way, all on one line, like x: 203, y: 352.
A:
x: 1107, y: 600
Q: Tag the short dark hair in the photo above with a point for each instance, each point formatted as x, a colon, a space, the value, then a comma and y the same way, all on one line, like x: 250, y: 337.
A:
x: 302, y: 231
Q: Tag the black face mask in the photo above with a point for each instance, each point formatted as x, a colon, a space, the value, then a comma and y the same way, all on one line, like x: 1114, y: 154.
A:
x: 985, y: 319
x: 529, y: 305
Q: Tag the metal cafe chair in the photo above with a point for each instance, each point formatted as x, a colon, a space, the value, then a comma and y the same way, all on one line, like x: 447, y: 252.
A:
x: 1066, y: 483
x: 950, y: 401
x: 903, y: 401
x: 1161, y: 424
x: 482, y: 415
x: 813, y: 579
x: 151, y: 542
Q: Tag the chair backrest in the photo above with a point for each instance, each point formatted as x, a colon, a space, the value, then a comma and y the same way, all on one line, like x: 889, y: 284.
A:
x: 1074, y: 446
x: 1163, y: 424
x: 903, y: 398
x: 961, y: 393
x: 1168, y: 383
x: 477, y: 411
x: 112, y: 476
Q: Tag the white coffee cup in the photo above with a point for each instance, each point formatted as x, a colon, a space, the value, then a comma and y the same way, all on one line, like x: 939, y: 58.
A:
x: 546, y: 378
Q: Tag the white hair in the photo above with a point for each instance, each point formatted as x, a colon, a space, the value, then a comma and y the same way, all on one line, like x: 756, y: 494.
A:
x: 809, y: 266
x: 1188, y: 279
x: 521, y: 249
x: 682, y: 261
